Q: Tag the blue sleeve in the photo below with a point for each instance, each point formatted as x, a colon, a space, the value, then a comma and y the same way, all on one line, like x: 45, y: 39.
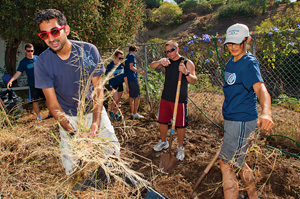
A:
x: 99, y: 68
x: 42, y: 77
x: 252, y: 74
x: 109, y: 67
x: 131, y: 59
x: 21, y: 66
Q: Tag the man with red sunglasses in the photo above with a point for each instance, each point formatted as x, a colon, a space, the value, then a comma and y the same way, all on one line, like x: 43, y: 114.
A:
x: 174, y: 64
x: 26, y: 64
x: 69, y: 73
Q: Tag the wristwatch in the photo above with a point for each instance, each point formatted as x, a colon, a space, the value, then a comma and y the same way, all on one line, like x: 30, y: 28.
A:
x: 187, y: 73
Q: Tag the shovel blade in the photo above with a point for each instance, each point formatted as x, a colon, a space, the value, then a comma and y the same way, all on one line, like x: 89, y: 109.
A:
x: 167, y: 162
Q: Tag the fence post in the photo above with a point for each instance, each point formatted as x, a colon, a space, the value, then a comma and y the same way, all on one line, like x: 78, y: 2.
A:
x: 253, y: 47
x: 146, y: 61
x: 146, y: 76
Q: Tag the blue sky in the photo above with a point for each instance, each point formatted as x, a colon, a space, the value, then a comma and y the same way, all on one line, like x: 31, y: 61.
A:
x: 172, y: 1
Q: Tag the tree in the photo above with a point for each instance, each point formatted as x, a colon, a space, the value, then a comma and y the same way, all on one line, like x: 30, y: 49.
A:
x: 104, y: 23
x: 179, y: 1
x: 153, y: 3
x: 167, y: 14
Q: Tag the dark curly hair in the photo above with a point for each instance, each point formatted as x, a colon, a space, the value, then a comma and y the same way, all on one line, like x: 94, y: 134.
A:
x: 47, y: 14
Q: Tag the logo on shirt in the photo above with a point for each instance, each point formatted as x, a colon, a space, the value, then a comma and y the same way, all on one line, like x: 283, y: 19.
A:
x: 118, y: 71
x: 29, y: 66
x: 88, y: 59
x: 231, y: 78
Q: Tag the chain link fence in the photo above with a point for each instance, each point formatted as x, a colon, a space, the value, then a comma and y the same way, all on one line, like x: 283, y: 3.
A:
x: 279, y: 58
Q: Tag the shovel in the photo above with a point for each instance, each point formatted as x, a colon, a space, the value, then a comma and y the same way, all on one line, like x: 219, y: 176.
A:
x: 204, y: 173
x: 168, y: 161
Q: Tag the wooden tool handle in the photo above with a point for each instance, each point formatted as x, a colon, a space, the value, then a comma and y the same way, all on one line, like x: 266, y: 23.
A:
x: 176, y: 100
x: 206, y: 170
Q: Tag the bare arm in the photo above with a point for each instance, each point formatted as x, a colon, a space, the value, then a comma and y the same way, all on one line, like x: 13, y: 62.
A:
x: 190, y: 67
x: 134, y: 69
x: 265, y: 121
x: 56, y: 110
x: 126, y: 82
x: 98, y: 99
x: 16, y: 76
x: 160, y: 63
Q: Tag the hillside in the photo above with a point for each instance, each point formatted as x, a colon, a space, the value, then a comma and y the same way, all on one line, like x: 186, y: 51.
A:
x: 189, y: 28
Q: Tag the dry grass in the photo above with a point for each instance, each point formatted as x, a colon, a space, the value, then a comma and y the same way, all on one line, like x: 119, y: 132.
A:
x: 30, y: 163
x: 30, y: 157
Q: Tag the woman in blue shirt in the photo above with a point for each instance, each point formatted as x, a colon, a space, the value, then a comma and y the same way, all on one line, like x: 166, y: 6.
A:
x: 115, y: 70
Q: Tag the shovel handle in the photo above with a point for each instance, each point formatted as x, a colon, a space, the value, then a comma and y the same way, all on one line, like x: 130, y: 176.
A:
x: 175, y: 110
x: 176, y: 102
x: 206, y: 170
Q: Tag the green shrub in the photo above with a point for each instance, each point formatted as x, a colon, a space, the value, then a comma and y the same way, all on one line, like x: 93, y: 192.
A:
x: 261, y: 4
x: 290, y: 19
x: 196, y: 6
x: 204, y: 84
x: 201, y: 9
x: 167, y: 14
x: 179, y: 1
x: 236, y: 10
x: 155, y: 41
x: 215, y: 4
x: 153, y: 3
x: 288, y: 102
x: 188, y: 4
x: 155, y: 80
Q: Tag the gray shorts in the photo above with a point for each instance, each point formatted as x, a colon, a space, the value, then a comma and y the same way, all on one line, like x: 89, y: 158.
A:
x: 236, y: 141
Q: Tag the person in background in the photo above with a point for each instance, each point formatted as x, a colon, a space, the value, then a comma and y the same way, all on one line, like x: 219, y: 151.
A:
x: 116, y: 82
x: 133, y: 82
x: 243, y: 85
x: 27, y: 65
x: 174, y: 64
x: 63, y: 71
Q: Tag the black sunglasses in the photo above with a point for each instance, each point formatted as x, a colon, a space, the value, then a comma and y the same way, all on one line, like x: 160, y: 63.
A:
x: 120, y: 58
x: 236, y: 45
x: 170, y: 50
x: 29, y: 51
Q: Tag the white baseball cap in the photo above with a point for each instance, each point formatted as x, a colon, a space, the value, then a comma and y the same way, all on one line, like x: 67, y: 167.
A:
x: 236, y: 33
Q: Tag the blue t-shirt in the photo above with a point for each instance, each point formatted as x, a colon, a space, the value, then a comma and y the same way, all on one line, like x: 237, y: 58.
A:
x: 131, y: 75
x: 240, y: 98
x: 69, y: 77
x: 27, y: 65
x: 118, y: 76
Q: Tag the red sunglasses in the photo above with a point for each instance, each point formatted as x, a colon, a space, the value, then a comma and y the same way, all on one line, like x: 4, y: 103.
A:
x: 54, y: 32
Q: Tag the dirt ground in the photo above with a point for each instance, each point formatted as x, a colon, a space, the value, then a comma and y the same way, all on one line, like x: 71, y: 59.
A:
x: 276, y: 175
